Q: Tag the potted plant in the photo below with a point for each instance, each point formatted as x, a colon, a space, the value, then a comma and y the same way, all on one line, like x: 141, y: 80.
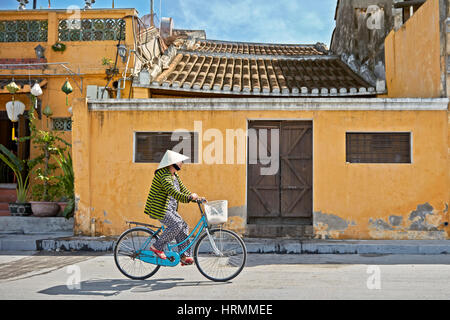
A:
x: 48, y: 188
x: 21, y: 207
x: 66, y: 180
x: 110, y: 71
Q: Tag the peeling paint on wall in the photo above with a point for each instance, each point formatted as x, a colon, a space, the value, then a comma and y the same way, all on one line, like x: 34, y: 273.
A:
x: 328, y: 226
x: 422, y: 223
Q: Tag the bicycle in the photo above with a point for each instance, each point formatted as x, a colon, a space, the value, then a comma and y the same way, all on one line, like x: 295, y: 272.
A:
x: 219, y: 254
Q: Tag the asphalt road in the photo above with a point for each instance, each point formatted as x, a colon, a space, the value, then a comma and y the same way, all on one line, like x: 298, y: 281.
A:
x: 59, y: 276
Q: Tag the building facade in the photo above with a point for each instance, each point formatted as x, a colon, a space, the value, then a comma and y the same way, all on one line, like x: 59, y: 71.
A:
x: 300, y: 142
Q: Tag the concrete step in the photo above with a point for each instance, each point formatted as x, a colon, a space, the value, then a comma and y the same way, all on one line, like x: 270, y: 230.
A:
x: 4, y: 213
x: 279, y: 231
x: 34, y: 225
x: 20, y: 242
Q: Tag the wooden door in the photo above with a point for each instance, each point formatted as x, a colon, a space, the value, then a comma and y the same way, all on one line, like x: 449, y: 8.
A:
x: 263, y: 193
x: 286, y: 196
x: 296, y: 169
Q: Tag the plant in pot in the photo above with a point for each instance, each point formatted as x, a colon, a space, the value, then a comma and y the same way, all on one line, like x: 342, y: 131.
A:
x: 66, y: 181
x: 111, y: 70
x: 21, y: 171
x: 48, y: 188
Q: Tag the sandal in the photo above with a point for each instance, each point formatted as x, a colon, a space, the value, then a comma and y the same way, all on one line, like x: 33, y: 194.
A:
x: 186, y: 261
x: 159, y: 254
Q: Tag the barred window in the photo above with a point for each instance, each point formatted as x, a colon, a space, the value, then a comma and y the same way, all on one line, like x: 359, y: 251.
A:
x: 151, y: 146
x: 380, y: 147
x: 62, y: 124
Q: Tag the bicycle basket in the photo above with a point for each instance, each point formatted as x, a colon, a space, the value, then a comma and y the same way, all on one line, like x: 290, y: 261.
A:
x: 216, y: 211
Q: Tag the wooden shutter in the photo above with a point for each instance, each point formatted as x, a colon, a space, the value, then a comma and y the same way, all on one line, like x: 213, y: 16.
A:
x: 151, y: 146
x: 383, y: 147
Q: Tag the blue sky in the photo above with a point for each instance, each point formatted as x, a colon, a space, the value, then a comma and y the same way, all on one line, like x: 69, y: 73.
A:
x: 279, y: 21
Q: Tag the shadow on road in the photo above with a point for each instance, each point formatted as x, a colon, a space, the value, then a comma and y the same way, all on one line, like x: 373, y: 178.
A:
x: 108, y: 288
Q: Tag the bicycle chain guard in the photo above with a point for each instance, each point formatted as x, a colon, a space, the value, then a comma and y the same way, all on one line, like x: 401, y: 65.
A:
x: 173, y: 258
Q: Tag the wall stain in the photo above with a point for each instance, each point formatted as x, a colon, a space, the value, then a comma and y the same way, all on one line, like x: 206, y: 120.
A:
x: 329, y: 226
x: 422, y: 223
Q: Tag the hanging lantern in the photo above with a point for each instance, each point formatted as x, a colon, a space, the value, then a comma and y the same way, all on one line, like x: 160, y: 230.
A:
x: 12, y: 88
x: 14, y: 109
x: 36, y: 91
x: 67, y: 89
x: 47, y: 111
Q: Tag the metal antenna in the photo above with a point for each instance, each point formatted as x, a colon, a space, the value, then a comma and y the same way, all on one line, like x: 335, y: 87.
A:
x: 152, y: 22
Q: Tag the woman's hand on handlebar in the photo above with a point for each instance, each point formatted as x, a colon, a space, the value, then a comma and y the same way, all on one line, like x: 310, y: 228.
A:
x: 196, y: 198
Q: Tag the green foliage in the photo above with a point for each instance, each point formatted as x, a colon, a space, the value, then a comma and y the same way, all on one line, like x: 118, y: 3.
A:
x: 67, y: 180
x: 18, y: 166
x: 49, y: 144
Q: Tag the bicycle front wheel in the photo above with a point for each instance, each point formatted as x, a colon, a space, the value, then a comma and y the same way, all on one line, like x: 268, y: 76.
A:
x: 128, y: 250
x: 221, y: 255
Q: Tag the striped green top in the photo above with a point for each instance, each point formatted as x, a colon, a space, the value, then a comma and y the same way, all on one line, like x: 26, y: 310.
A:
x: 160, y: 191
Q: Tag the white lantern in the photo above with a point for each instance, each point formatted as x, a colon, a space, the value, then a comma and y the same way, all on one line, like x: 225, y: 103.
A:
x: 36, y: 91
x: 14, y: 110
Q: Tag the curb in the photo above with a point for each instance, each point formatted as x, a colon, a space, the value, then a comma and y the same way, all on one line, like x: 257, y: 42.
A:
x: 67, y: 242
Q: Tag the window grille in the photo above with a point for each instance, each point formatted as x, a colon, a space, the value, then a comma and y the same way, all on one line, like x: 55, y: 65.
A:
x: 91, y: 29
x: 151, y: 146
x: 23, y: 30
x: 385, y: 147
x: 62, y: 124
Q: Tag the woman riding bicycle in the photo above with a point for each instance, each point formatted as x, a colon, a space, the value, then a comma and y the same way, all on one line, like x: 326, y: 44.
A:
x: 162, y: 204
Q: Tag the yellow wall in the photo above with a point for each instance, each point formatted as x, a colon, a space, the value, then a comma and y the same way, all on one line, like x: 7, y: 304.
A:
x: 349, y: 200
x: 413, y: 55
x: 83, y: 57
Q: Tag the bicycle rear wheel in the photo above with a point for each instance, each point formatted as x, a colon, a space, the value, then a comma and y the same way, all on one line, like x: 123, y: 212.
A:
x: 128, y: 250
x: 220, y: 257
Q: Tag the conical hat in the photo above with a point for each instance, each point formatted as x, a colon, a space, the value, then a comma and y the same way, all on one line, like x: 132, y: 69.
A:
x: 171, y: 157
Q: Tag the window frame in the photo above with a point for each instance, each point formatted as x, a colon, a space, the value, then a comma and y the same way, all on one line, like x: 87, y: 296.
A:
x: 192, y: 158
x: 410, y: 137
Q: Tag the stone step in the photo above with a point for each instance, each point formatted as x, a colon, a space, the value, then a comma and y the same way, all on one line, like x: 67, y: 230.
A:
x: 34, y: 225
x: 279, y: 231
x: 4, y: 213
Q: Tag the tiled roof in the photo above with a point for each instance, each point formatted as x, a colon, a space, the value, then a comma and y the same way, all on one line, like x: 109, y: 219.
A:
x: 27, y: 63
x: 209, y: 46
x: 249, y: 69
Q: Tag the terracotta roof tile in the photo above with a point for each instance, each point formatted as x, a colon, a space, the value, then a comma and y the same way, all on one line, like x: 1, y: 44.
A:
x: 216, y: 46
x: 326, y: 75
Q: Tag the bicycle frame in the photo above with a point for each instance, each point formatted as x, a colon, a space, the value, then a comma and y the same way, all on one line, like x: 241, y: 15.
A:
x: 173, y: 258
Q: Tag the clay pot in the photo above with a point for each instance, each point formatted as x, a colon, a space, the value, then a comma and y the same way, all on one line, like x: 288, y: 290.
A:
x: 44, y: 209
x: 20, y: 209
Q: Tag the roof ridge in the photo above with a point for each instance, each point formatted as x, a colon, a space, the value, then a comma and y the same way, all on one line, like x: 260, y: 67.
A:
x: 257, y: 56
x: 260, y: 43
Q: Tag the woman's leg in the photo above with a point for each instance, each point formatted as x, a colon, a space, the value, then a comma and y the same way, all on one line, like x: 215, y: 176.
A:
x: 183, y: 234
x: 176, y: 228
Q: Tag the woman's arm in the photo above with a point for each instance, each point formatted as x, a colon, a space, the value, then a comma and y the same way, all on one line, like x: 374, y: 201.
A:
x: 168, y: 186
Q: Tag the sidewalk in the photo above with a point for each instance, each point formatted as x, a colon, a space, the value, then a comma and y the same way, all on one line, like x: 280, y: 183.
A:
x: 65, y: 241
x: 56, y: 234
